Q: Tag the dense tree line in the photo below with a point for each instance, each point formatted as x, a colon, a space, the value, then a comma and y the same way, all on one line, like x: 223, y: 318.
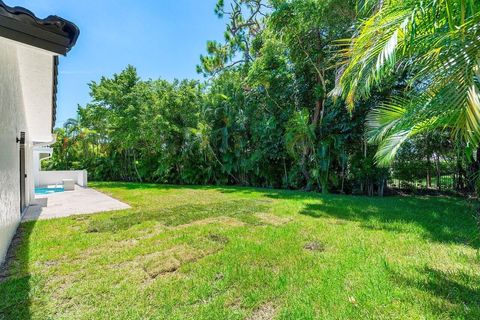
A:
x: 281, y: 107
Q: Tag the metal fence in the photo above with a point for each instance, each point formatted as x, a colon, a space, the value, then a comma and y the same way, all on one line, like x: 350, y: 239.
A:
x: 443, y: 183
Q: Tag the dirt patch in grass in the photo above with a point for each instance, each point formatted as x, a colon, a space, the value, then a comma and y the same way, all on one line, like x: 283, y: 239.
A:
x: 218, y: 238
x: 337, y: 222
x: 128, y: 243
x: 219, y: 277
x: 169, y: 261
x: 50, y: 263
x: 224, y: 221
x: 264, y: 312
x: 158, y: 264
x: 111, y: 248
x: 272, y: 219
x: 315, y: 246
x: 234, y: 303
x: 62, y: 284
x: 80, y: 218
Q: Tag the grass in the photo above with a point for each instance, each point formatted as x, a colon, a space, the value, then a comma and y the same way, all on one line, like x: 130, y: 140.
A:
x: 240, y: 253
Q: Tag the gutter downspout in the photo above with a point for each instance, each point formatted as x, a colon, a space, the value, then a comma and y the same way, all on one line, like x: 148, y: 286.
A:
x: 41, y: 145
x: 46, y: 144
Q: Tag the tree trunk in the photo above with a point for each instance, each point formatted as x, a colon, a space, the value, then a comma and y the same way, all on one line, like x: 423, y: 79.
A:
x: 460, y: 175
x: 286, y: 173
x: 324, y: 183
x: 135, y: 166
x: 317, y: 112
x: 381, y: 187
x: 370, y: 189
x: 303, y: 168
x: 429, y: 176
x: 437, y: 166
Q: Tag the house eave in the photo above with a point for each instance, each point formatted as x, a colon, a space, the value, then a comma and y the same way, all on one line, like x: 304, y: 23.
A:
x: 53, y: 33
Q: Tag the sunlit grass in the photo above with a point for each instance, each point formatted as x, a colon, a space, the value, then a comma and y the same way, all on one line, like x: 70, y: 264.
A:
x: 240, y: 253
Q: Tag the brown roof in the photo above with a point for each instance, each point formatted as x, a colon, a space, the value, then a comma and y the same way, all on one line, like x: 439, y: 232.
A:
x: 52, y: 33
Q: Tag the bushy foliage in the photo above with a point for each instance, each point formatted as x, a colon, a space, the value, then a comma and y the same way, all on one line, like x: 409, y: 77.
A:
x: 266, y: 116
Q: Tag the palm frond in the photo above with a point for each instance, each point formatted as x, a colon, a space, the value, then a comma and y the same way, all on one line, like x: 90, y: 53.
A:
x: 438, y: 43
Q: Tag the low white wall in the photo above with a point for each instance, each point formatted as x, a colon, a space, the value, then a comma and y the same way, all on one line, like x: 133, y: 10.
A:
x: 46, y: 178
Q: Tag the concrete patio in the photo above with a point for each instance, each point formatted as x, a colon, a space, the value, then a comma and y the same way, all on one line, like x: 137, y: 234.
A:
x: 69, y: 203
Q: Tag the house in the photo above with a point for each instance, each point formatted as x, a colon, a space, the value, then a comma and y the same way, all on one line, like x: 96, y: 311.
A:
x: 29, y: 50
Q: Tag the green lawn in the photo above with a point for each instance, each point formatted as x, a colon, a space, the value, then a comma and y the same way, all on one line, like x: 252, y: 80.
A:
x: 239, y: 253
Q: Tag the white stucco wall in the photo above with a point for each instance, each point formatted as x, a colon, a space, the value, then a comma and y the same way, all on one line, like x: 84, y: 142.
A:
x: 36, y: 75
x: 12, y: 122
x: 14, y: 61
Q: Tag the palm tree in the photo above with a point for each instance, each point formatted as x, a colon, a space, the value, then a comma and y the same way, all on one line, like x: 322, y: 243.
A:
x: 435, y: 46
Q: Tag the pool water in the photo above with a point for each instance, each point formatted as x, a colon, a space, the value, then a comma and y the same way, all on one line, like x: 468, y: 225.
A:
x: 42, y: 191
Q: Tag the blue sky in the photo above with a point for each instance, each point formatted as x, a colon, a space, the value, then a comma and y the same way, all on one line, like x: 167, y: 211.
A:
x: 162, y: 38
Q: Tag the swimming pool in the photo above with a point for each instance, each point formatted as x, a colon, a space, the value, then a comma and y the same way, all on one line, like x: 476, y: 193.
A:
x: 43, y: 191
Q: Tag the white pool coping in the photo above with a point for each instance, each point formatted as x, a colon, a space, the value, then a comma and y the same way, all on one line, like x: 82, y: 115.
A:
x: 70, y: 203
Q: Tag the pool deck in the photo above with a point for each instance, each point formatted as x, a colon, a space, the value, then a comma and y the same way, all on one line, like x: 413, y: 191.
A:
x: 70, y: 203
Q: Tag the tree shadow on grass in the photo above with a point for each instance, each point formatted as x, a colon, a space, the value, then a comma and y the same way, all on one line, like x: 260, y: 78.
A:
x: 15, y: 278
x: 135, y: 186
x: 154, y: 186
x: 442, y: 219
x: 455, y: 293
x: 446, y: 220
